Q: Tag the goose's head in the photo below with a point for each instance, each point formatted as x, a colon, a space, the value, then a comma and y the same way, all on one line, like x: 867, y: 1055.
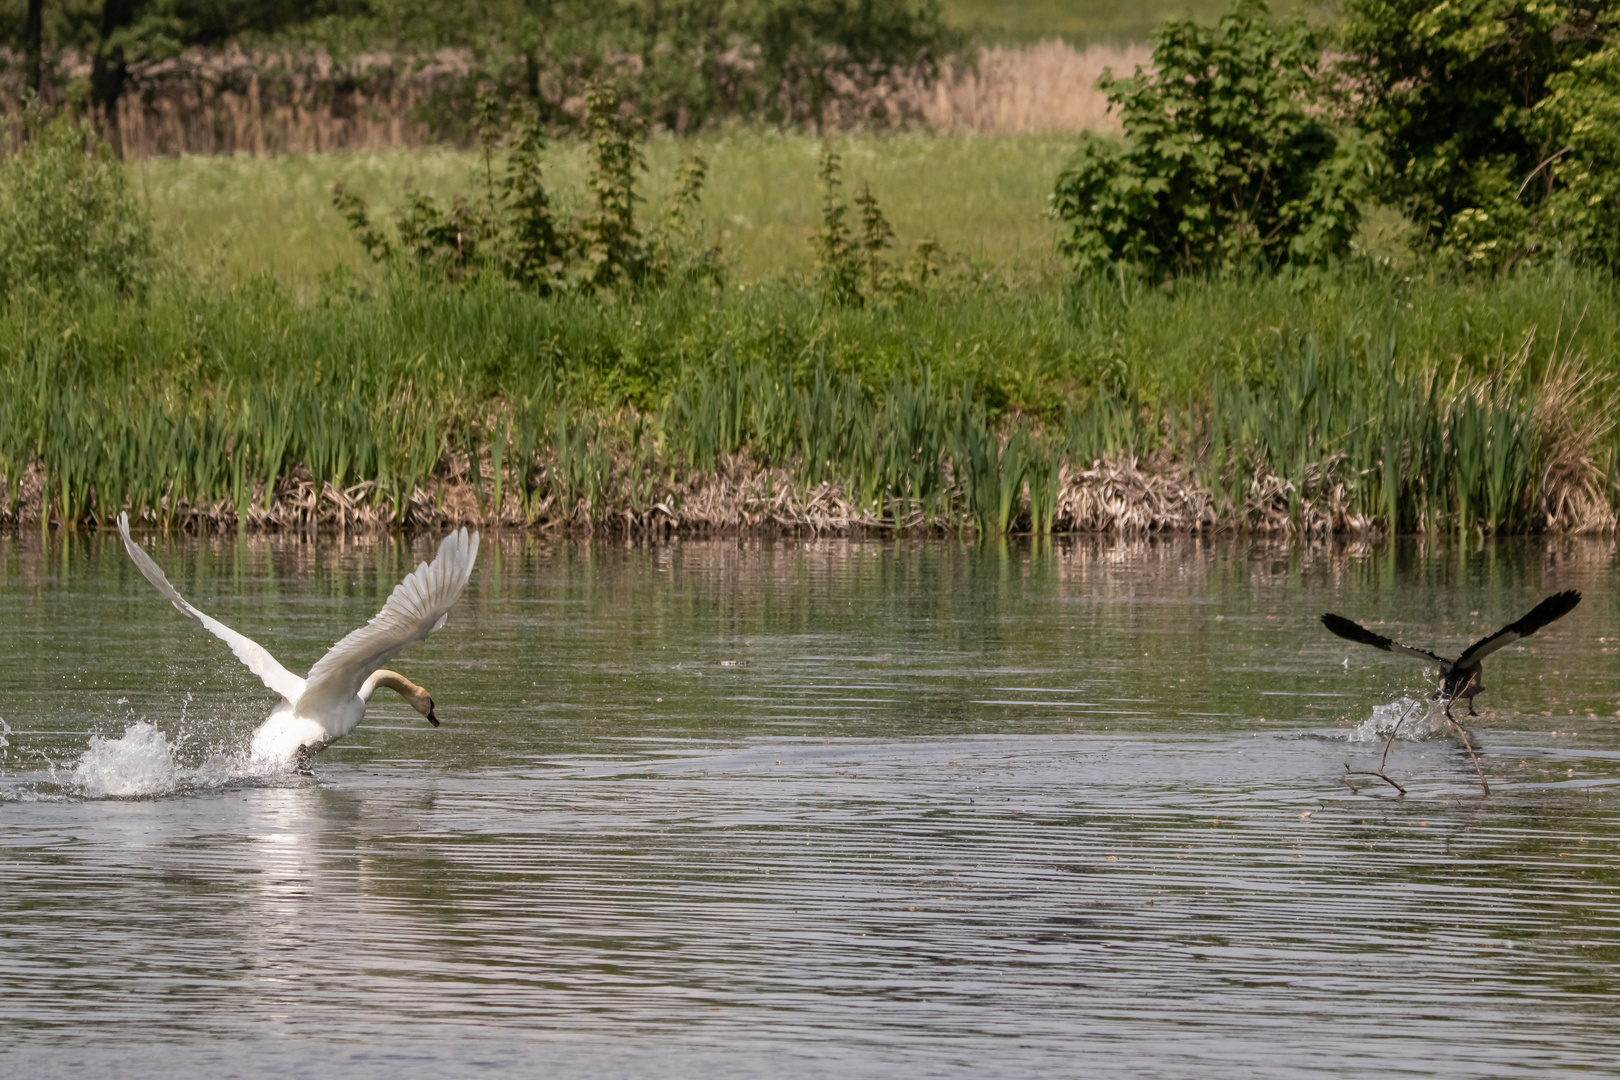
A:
x: 419, y: 698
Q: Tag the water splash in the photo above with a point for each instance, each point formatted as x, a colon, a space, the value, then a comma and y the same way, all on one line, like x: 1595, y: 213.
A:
x: 1411, y: 719
x: 142, y: 762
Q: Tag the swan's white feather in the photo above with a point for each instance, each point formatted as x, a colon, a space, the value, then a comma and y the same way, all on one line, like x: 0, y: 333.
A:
x: 329, y: 704
x: 250, y: 652
x: 418, y: 606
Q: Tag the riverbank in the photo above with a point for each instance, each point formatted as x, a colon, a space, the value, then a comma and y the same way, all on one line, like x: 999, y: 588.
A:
x: 1358, y: 402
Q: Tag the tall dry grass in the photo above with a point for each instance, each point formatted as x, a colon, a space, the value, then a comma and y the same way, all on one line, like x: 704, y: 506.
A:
x: 1049, y: 87
x: 283, y: 103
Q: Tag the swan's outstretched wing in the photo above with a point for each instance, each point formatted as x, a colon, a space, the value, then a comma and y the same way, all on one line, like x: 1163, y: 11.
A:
x: 1554, y: 607
x: 417, y: 607
x: 250, y: 652
x: 1350, y: 631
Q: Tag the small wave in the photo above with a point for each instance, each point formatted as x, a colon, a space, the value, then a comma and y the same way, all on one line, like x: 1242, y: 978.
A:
x: 1413, y: 720
x: 142, y: 763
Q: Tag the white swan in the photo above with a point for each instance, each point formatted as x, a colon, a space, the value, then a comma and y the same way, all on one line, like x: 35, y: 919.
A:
x: 332, y: 700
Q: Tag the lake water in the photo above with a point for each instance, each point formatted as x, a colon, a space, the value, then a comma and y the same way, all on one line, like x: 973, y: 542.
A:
x: 821, y: 807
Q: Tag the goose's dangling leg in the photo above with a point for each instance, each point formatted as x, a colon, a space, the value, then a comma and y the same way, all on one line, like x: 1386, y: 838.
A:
x: 1462, y: 733
x: 302, y: 761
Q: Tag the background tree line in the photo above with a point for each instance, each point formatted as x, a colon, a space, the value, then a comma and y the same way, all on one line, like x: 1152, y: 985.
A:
x: 683, y: 63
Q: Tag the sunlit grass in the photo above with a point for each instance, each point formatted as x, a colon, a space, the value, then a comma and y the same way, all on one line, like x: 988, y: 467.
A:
x: 981, y: 198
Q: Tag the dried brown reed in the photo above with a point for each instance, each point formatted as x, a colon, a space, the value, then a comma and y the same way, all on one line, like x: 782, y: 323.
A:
x: 1121, y: 496
x: 1573, y: 492
x: 1046, y: 88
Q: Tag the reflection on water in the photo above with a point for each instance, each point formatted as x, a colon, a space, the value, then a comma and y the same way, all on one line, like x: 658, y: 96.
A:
x: 821, y: 807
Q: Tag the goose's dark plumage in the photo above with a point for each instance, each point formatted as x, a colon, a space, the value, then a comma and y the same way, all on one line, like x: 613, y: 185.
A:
x: 1459, y: 678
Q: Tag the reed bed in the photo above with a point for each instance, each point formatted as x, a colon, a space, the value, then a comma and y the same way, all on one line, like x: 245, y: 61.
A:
x: 1048, y: 87
x: 701, y: 413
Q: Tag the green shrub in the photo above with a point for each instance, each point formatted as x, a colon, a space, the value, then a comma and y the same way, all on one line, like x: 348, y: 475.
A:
x: 838, y: 257
x: 612, y: 244
x: 1473, y: 149
x: 1580, y: 119
x: 1227, y: 162
x: 68, y: 218
x: 851, y: 269
x: 511, y: 231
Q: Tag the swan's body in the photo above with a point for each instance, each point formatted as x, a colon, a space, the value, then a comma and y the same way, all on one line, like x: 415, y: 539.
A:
x: 331, y: 701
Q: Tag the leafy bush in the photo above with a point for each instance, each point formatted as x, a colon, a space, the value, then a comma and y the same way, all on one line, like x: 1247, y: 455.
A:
x: 1581, y: 118
x: 68, y: 218
x: 510, y: 229
x: 1228, y: 160
x: 1472, y: 146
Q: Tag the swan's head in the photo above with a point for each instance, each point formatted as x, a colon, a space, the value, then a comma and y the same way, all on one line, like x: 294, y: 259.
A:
x: 419, y: 698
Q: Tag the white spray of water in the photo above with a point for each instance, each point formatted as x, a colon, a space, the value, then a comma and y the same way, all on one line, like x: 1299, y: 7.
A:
x: 1415, y: 720
x: 142, y: 762
x: 5, y: 729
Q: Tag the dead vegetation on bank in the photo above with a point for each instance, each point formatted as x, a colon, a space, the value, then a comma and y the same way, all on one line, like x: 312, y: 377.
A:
x: 1122, y: 496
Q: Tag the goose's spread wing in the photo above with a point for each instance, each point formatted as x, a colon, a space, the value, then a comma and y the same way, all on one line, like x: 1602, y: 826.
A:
x: 1549, y: 610
x: 1350, y: 631
x: 417, y: 607
x: 250, y: 652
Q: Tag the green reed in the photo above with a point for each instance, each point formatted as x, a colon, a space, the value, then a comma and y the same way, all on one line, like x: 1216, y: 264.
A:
x: 1418, y: 450
x: 949, y: 410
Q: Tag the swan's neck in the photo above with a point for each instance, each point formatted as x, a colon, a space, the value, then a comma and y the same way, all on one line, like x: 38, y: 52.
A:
x: 394, y: 681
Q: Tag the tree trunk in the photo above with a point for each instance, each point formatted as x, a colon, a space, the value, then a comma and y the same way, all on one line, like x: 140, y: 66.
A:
x: 109, y: 71
x: 34, y: 44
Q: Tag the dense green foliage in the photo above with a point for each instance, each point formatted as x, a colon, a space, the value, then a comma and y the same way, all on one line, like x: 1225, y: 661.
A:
x: 684, y: 62
x: 1227, y: 161
x: 119, y: 36
x: 1580, y: 116
x: 68, y: 218
x: 1487, y: 113
x: 1489, y: 124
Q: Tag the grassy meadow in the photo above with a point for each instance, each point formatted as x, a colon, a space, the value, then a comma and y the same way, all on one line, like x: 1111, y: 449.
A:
x: 982, y: 198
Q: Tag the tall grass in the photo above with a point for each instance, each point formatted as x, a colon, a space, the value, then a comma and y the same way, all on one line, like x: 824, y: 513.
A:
x: 1368, y: 403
